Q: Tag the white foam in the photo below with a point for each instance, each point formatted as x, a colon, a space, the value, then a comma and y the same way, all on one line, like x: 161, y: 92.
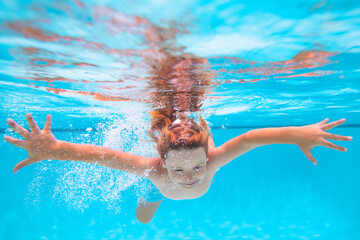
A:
x: 80, y: 185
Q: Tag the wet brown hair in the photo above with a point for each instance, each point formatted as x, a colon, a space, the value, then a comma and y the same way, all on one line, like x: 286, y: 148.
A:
x: 178, y: 82
x: 186, y: 134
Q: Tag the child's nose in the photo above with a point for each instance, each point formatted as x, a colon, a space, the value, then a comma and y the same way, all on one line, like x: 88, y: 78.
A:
x: 189, y: 176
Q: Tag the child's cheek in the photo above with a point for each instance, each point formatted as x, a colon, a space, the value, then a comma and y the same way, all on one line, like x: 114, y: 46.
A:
x: 201, y: 173
x: 175, y: 176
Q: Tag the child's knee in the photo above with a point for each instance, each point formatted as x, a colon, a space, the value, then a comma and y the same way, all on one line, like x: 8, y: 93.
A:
x: 145, y: 211
x: 142, y: 215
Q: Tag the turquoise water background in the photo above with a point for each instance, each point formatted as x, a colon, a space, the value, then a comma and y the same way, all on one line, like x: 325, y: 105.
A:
x: 272, y: 192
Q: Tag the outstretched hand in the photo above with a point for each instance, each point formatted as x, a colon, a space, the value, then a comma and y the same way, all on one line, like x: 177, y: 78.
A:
x: 39, y: 143
x: 307, y: 137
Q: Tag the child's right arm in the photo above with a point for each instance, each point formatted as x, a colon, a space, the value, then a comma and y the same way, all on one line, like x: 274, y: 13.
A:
x: 41, y: 145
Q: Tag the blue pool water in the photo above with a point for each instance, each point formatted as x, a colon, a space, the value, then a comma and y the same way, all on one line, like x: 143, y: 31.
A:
x: 90, y: 64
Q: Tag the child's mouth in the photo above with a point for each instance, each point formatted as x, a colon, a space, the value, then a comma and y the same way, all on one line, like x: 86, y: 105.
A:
x: 190, y: 184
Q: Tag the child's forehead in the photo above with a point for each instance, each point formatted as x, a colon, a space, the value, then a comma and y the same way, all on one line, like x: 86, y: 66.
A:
x: 188, y: 153
x: 190, y: 156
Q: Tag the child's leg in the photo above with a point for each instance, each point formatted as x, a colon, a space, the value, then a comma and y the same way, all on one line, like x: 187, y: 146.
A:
x: 145, y: 211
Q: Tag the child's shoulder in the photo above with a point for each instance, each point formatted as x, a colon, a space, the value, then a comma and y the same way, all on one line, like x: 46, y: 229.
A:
x: 154, y: 168
x: 215, y: 156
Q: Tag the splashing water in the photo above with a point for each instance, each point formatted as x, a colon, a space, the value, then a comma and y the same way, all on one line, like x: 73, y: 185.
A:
x: 80, y: 185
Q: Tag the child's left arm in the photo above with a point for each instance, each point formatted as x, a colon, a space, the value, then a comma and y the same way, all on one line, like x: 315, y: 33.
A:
x: 306, y: 137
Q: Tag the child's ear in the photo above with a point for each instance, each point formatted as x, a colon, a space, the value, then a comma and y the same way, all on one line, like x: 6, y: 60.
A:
x: 162, y: 163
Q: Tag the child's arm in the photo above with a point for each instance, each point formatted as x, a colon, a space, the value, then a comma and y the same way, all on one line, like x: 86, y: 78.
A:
x: 306, y: 137
x: 41, y: 145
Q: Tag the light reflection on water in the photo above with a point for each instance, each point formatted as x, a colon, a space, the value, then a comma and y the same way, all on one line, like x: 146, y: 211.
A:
x: 101, y: 54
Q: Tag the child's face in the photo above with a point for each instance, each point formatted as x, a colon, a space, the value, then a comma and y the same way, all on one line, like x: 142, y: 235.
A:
x: 186, y: 167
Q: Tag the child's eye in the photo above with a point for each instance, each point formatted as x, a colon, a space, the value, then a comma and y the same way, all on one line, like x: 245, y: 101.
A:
x: 178, y: 170
x: 197, y: 167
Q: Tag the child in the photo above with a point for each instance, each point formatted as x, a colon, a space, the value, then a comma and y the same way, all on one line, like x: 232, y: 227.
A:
x: 187, y: 158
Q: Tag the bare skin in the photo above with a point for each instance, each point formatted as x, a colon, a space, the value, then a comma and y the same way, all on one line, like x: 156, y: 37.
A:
x: 145, y: 211
x: 185, y: 174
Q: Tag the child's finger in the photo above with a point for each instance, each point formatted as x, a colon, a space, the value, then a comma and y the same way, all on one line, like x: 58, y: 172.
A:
x: 33, y: 126
x: 18, y: 129
x: 333, y: 146
x: 48, y: 123
x: 14, y: 141
x: 333, y: 124
x: 337, y: 137
x: 308, y: 154
x: 22, y: 164
x: 323, y: 121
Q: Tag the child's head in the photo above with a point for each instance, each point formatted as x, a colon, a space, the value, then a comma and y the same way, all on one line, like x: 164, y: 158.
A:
x: 182, y: 145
